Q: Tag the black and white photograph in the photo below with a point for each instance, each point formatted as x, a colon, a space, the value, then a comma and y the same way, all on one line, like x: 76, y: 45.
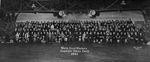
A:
x: 74, y: 30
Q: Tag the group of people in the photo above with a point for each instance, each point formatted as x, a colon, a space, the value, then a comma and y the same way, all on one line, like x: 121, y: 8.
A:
x: 111, y: 31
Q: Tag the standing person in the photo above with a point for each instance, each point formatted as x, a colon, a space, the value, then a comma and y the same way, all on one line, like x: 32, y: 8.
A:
x: 97, y: 37
x: 90, y: 37
x: 47, y: 36
x: 38, y: 36
x: 34, y: 37
x: 53, y: 36
x: 94, y: 37
x: 107, y: 35
x: 43, y: 40
x: 66, y: 36
x: 118, y: 37
x: 70, y: 37
x: 136, y: 38
x: 141, y: 36
x: 76, y: 33
x: 62, y: 37
x: 21, y: 36
x: 26, y: 37
x: 83, y: 37
x: 17, y: 36
x: 57, y: 40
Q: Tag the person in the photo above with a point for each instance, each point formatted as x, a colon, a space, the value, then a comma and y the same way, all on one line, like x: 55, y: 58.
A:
x: 62, y: 37
x: 52, y: 26
x: 97, y: 37
x: 80, y: 37
x: 65, y: 39
x: 23, y: 37
x: 117, y: 36
x: 83, y: 37
x: 107, y: 35
x: 38, y: 37
x: 70, y: 37
x: 34, y: 37
x: 90, y: 37
x: 43, y: 40
x: 57, y: 40
x: 17, y: 36
x: 124, y: 37
x: 94, y: 36
x: 26, y: 37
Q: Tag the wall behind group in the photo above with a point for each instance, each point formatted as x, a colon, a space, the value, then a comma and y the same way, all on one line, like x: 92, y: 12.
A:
x: 124, y: 15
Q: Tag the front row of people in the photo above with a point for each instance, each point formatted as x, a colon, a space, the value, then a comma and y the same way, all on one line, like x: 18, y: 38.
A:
x: 88, y: 37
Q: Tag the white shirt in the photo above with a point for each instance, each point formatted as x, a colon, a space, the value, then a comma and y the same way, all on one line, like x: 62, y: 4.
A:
x: 52, y: 26
x: 17, y: 35
x: 26, y: 35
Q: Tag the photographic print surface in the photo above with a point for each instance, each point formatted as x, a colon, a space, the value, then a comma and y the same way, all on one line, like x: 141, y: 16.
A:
x: 74, y: 31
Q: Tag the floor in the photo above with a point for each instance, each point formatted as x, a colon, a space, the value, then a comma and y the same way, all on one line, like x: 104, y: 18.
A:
x: 51, y: 53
